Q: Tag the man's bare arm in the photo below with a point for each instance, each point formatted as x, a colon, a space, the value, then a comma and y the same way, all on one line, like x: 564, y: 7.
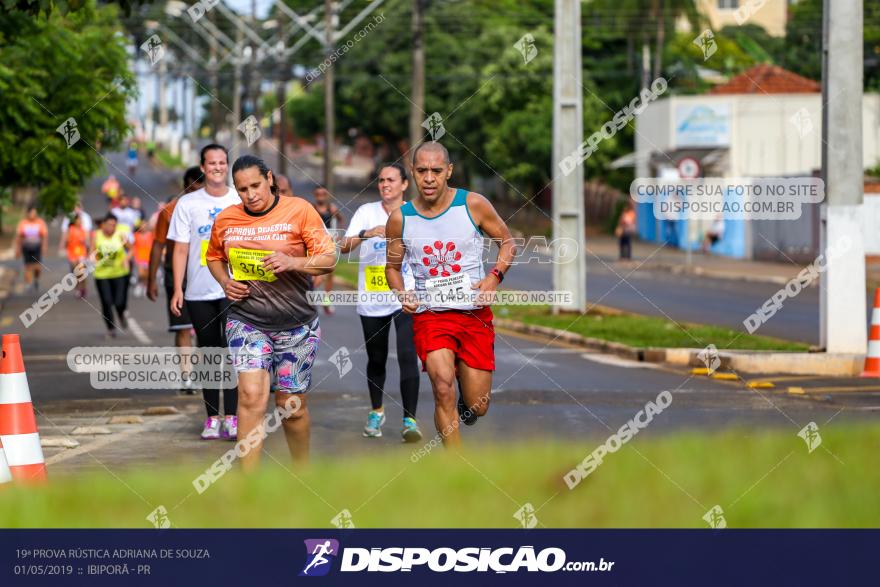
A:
x: 487, y: 218
x: 394, y: 251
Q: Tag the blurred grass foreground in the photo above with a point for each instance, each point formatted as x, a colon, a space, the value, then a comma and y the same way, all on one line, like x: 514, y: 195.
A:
x: 760, y: 479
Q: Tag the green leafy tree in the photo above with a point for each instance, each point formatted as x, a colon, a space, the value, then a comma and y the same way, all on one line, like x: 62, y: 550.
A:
x: 52, y: 69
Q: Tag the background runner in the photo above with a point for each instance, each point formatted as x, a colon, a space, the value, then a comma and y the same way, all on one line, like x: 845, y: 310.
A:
x: 190, y: 229
x: 367, y: 231
x: 31, y: 243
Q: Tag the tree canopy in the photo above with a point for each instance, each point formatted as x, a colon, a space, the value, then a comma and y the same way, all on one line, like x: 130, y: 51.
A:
x: 67, y: 71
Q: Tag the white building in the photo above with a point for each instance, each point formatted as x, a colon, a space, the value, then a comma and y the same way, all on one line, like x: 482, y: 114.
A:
x: 766, y: 122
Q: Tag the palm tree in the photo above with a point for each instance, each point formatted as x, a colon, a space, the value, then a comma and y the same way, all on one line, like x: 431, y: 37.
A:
x: 647, y: 21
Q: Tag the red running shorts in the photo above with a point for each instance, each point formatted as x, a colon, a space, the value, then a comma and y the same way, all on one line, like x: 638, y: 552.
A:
x: 468, y: 333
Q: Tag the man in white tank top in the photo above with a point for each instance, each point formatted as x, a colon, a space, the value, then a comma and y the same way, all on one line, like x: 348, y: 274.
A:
x: 440, y: 235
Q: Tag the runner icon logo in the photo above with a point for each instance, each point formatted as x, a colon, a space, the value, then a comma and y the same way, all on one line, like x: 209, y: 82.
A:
x: 342, y: 359
x: 320, y: 553
x: 159, y: 518
x: 709, y: 357
x: 715, y: 518
x: 810, y: 434
x: 526, y: 516
x: 343, y: 520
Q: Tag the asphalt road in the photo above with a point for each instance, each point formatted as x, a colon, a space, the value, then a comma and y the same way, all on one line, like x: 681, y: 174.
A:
x: 682, y: 298
x: 631, y: 288
x: 538, y: 390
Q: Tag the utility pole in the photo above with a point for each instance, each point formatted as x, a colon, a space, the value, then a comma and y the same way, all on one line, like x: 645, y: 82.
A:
x: 216, y: 121
x: 281, y: 96
x: 417, y: 109
x: 842, y: 295
x: 329, y: 126
x: 163, y: 102
x: 282, y: 123
x: 569, y: 267
x: 236, y: 97
x: 253, y: 80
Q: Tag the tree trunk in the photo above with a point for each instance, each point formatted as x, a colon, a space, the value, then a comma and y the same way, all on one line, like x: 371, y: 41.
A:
x: 630, y: 55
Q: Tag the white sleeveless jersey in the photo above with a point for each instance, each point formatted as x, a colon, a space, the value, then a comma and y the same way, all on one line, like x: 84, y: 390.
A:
x: 445, y: 254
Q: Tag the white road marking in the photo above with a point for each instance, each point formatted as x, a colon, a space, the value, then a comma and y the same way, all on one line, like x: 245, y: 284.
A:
x: 102, y: 368
x: 616, y: 361
x: 138, y: 332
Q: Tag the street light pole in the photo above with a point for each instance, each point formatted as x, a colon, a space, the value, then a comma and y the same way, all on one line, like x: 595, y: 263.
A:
x: 842, y: 295
x: 329, y: 107
x: 417, y: 108
x: 569, y: 270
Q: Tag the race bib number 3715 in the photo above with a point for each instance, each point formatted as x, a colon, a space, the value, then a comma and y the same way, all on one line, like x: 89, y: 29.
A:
x: 247, y: 265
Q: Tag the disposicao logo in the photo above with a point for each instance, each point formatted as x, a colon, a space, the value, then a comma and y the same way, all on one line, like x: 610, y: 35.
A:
x: 320, y: 553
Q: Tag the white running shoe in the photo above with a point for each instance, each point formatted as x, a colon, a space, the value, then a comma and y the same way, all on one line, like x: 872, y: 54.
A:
x: 373, y: 429
x: 212, y: 428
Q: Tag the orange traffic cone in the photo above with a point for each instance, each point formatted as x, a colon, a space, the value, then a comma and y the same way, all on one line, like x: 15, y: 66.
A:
x: 18, y: 426
x: 5, y: 473
x: 872, y: 360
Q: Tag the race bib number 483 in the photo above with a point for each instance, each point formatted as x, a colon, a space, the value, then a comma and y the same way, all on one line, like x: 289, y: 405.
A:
x: 450, y: 292
x: 247, y: 265
x: 203, y: 253
x: 374, y: 278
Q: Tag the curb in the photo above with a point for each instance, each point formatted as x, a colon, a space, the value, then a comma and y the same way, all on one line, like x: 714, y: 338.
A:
x: 753, y: 362
x: 7, y: 280
x: 762, y: 362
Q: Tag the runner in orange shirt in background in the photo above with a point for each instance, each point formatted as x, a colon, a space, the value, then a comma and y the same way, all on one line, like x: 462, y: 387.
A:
x: 77, y: 247
x: 143, y: 243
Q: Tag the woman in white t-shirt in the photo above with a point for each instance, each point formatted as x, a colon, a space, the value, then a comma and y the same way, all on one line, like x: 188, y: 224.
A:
x: 190, y: 229
x: 378, y: 308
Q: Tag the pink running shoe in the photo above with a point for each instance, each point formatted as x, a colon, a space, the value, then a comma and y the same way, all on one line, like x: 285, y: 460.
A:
x: 229, y: 428
x: 212, y: 428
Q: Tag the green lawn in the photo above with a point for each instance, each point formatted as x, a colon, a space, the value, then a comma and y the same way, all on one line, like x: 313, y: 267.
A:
x: 645, y: 331
x: 348, y: 269
x: 760, y: 479
x: 167, y: 159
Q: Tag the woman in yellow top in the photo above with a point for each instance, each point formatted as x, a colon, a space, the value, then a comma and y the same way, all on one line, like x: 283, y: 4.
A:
x: 111, y: 253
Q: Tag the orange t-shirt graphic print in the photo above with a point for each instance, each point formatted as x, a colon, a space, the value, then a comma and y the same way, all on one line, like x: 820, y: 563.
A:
x: 242, y: 239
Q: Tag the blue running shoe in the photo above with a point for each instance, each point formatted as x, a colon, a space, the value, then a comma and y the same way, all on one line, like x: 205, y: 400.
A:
x: 411, y: 432
x: 373, y: 429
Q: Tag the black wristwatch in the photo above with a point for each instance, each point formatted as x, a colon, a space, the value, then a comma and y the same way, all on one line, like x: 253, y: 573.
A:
x: 362, y: 233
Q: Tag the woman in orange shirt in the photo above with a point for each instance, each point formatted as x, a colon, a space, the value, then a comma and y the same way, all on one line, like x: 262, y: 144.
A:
x: 77, y: 246
x: 263, y: 252
x: 31, y: 242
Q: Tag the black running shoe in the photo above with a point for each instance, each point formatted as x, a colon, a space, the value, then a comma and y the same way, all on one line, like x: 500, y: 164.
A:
x: 467, y: 417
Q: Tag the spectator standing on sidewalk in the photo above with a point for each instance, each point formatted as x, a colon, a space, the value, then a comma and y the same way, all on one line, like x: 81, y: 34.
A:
x: 714, y: 234
x: 626, y: 228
